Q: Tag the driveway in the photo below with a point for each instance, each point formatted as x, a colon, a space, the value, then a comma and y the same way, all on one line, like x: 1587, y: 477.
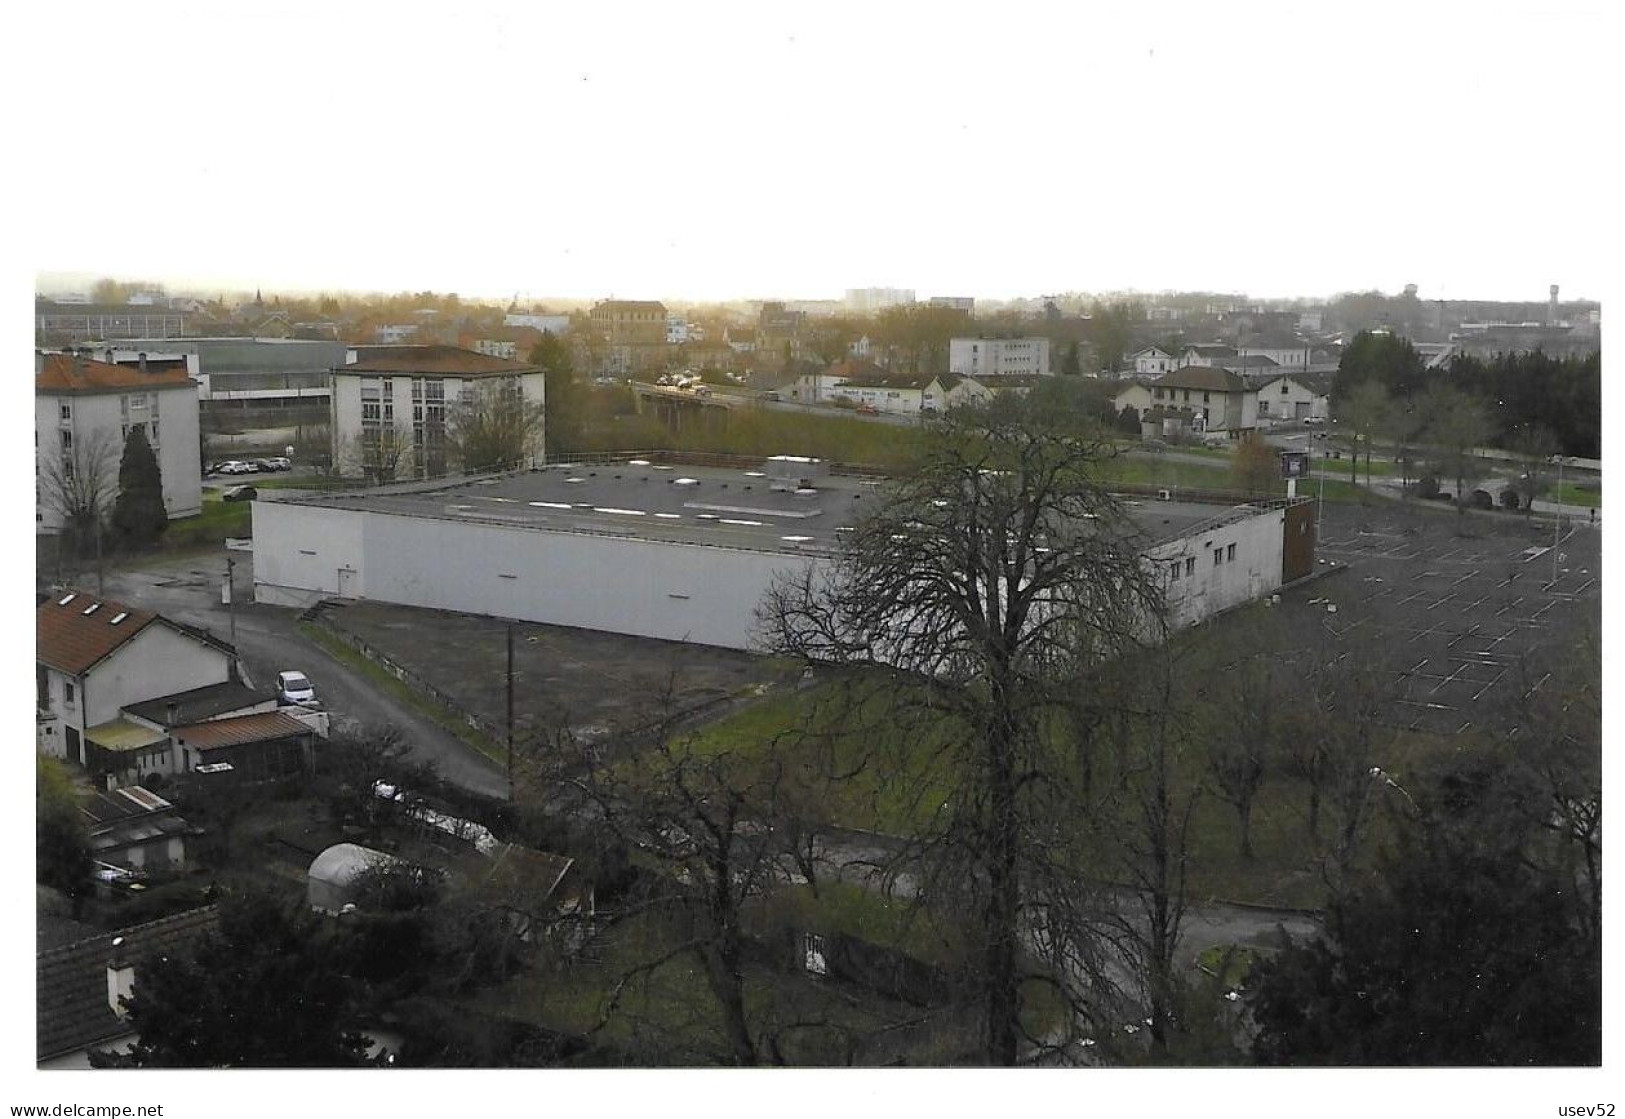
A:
x: 188, y: 589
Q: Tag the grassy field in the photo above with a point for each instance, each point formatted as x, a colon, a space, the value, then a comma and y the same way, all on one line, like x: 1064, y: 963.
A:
x: 898, y: 783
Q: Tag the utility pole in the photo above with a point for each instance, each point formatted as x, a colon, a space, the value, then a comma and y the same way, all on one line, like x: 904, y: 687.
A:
x: 231, y: 600
x: 510, y: 714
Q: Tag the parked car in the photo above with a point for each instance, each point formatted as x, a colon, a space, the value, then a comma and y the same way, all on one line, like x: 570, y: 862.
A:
x: 231, y: 466
x: 295, y: 687
x: 278, y: 463
x: 868, y: 410
x: 240, y: 493
x: 1314, y: 421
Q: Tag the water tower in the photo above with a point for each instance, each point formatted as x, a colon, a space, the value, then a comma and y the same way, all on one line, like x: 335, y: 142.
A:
x: 1551, y: 307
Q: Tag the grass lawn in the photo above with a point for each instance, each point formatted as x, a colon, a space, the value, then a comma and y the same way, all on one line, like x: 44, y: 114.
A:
x: 897, y: 783
x: 218, y: 520
x: 1588, y: 495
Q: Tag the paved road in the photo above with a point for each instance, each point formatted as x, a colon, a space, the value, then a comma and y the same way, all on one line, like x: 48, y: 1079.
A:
x: 269, y: 641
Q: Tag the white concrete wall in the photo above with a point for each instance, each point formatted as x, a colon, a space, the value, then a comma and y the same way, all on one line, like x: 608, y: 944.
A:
x: 158, y: 662
x: 650, y: 589
x: 973, y: 357
x: 1213, y: 587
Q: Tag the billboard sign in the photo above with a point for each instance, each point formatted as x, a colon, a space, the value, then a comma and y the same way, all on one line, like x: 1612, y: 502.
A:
x: 1294, y: 464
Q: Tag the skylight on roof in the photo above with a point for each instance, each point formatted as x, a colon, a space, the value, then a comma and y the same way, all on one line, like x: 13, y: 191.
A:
x: 67, y: 600
x: 117, y: 618
x: 91, y: 609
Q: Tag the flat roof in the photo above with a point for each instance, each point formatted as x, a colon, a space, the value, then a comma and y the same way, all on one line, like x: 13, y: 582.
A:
x: 713, y: 506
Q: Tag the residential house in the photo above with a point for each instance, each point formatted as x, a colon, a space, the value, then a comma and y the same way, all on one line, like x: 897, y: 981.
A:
x: 392, y: 406
x: 232, y: 724
x: 1136, y: 394
x: 1206, y: 354
x: 1220, y: 401
x: 907, y: 393
x: 1288, y: 352
x: 93, y: 657
x: 84, y: 410
x: 1152, y: 361
x: 79, y: 988
x: 1295, y: 396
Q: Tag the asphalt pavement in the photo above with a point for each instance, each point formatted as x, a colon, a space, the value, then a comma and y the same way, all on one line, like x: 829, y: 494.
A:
x: 268, y: 641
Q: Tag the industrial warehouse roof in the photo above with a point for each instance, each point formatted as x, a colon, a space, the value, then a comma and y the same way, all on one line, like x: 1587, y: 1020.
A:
x: 725, y: 508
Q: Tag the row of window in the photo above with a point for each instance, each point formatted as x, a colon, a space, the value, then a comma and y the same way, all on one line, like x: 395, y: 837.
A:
x: 1221, y: 555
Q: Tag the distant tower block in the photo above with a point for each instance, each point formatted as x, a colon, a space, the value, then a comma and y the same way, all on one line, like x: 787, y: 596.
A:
x: 1551, y: 307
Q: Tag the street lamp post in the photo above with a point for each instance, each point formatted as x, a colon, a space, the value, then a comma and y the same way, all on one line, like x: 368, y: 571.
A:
x: 1557, y: 523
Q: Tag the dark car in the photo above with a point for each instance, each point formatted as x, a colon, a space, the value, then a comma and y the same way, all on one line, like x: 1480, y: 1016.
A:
x: 240, y: 493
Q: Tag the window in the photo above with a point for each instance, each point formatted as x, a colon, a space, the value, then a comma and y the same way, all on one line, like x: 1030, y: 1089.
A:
x: 1205, y: 398
x: 1173, y: 570
x: 1230, y: 553
x: 1190, y: 565
x: 66, y: 411
x: 67, y: 692
x: 1218, y: 557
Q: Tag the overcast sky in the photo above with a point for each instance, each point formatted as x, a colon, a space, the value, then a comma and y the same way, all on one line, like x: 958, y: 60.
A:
x: 709, y: 151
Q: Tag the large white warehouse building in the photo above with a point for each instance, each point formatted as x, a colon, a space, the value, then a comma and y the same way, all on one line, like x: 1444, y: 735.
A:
x: 678, y: 552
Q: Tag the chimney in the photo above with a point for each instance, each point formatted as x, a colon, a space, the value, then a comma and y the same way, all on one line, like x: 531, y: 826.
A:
x: 120, y: 979
x: 141, y: 360
x: 169, y: 715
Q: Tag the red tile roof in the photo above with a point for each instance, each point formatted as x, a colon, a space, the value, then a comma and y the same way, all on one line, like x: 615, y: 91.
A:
x: 68, y: 639
x: 267, y: 726
x: 1207, y: 377
x: 447, y: 361
x: 68, y: 373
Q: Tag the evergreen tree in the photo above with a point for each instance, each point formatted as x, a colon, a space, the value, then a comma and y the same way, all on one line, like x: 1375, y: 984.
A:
x: 139, y: 514
x: 261, y: 992
x: 61, y: 843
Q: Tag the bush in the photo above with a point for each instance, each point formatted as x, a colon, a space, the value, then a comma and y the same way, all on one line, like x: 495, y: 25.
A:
x: 1509, y: 498
x: 1481, y: 499
x: 1427, y: 487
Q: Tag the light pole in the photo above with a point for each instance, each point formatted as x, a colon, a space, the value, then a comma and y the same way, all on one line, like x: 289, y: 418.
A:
x: 1557, y: 524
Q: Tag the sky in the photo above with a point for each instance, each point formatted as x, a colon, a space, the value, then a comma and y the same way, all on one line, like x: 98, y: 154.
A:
x: 712, y: 151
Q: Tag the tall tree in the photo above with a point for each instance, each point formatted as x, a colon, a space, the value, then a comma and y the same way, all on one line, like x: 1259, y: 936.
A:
x: 566, y: 402
x: 61, y: 841
x: 139, y: 514
x: 999, y: 569
x: 1458, y: 424
x: 78, y: 481
x: 1255, y: 467
x: 263, y: 991
x: 1360, y: 414
x: 1463, y: 948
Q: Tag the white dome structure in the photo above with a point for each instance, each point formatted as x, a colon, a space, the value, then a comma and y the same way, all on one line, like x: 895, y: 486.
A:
x: 334, y: 872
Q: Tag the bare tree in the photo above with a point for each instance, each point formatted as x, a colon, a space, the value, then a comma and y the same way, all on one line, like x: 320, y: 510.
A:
x: 78, y: 486
x: 493, y: 427
x: 1360, y: 416
x: 995, y: 574
x: 1457, y: 425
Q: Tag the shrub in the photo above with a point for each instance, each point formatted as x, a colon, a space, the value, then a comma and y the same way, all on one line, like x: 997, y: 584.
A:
x: 1510, y: 499
x: 1481, y: 499
x: 1427, y: 487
